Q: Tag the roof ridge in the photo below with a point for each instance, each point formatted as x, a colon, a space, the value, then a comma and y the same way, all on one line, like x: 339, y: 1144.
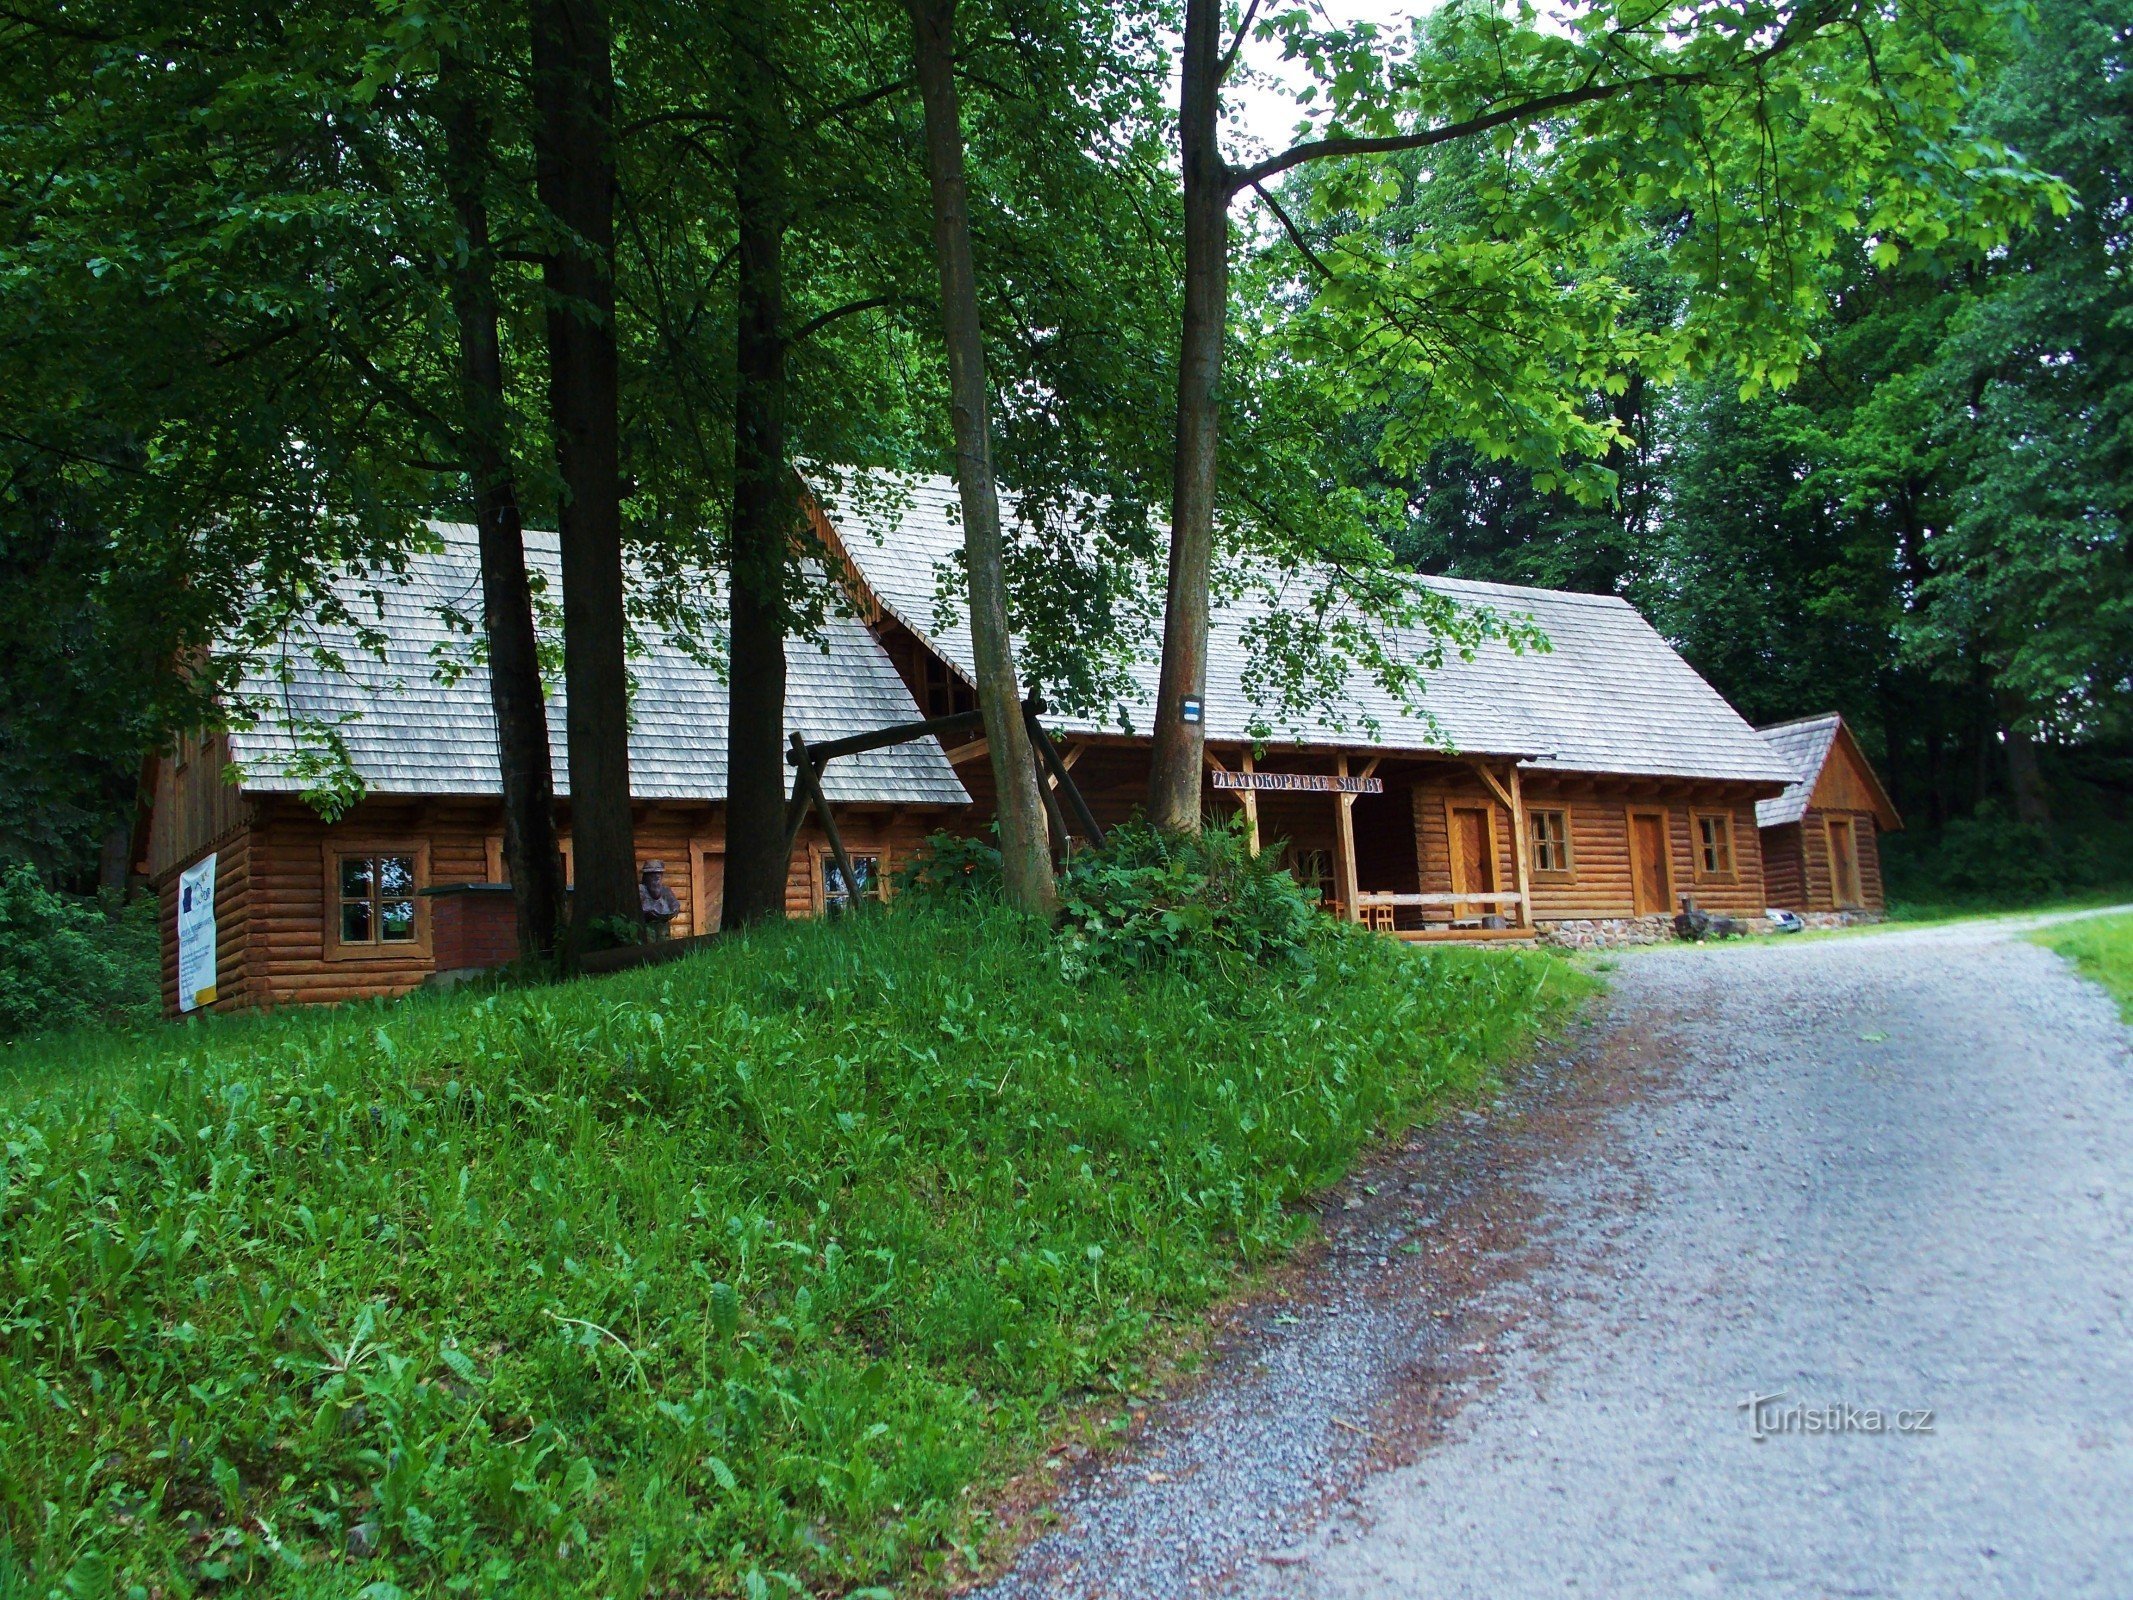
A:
x: 1800, y: 722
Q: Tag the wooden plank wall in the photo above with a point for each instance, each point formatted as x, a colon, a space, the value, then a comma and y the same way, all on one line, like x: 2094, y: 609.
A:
x: 1598, y: 885
x: 195, y: 806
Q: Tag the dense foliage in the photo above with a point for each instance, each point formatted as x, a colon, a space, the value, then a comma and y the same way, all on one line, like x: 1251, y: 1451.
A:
x: 66, y: 963
x: 731, y: 1276
x: 1927, y: 529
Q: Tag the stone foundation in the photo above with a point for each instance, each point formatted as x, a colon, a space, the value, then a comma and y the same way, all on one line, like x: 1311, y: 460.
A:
x: 1840, y: 919
x: 1613, y: 933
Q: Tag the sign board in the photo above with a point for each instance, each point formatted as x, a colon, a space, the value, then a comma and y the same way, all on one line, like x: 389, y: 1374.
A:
x: 1298, y: 782
x: 196, y: 936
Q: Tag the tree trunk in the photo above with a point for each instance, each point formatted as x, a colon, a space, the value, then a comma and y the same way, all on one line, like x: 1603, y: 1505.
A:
x: 2025, y: 780
x: 765, y: 506
x: 574, y: 172
x: 530, y: 854
x: 1174, y: 778
x: 114, y: 866
x: 1025, y: 853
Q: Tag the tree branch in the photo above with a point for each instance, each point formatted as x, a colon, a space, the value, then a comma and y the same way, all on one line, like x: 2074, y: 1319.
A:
x: 1327, y: 149
x: 1802, y: 25
x: 1295, y: 233
x: 1244, y: 30
x: 814, y: 325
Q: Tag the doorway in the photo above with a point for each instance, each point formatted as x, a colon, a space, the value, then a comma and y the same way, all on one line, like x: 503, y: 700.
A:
x: 1651, y: 885
x: 1843, y: 863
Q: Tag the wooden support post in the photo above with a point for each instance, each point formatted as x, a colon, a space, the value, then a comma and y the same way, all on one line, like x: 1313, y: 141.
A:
x: 1048, y: 760
x: 1344, y: 887
x: 806, y: 772
x: 1521, y: 846
x: 796, y: 810
x: 1251, y: 810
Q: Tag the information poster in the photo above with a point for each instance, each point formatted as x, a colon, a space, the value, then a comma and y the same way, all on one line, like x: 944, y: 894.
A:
x: 196, y: 936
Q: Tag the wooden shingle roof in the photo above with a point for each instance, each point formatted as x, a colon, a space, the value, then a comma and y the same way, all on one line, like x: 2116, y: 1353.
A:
x: 1805, y: 745
x: 413, y: 729
x: 1611, y: 696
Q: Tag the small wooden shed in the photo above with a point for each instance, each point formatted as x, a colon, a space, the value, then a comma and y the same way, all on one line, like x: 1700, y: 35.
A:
x: 1821, y: 837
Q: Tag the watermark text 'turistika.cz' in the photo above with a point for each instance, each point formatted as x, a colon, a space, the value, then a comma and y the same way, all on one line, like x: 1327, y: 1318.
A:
x: 1773, y: 1416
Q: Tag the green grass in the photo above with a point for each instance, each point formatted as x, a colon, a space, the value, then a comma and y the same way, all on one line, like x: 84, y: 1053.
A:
x: 2102, y: 947
x: 751, y: 1274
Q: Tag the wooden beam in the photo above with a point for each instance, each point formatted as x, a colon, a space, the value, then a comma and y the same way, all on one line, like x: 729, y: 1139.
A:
x: 1519, y: 846
x: 809, y: 773
x: 1049, y: 762
x: 969, y: 752
x: 1344, y: 886
x: 881, y: 738
x: 1251, y: 811
x: 1495, y: 786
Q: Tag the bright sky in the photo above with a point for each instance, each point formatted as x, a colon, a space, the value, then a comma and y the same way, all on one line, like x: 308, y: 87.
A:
x: 1264, y: 112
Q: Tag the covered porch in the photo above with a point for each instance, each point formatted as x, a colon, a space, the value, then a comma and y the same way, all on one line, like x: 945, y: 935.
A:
x: 1422, y: 849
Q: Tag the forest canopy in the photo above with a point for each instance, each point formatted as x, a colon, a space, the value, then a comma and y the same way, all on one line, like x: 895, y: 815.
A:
x: 1802, y: 326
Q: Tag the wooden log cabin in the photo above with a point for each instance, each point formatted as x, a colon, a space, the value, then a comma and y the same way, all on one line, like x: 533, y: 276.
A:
x: 1821, y: 837
x: 1578, y: 794
x: 375, y: 901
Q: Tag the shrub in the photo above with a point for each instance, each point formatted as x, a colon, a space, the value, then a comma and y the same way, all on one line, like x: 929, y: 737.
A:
x: 1990, y: 858
x: 1146, y: 901
x: 64, y: 963
x: 952, y: 871
x: 1150, y: 900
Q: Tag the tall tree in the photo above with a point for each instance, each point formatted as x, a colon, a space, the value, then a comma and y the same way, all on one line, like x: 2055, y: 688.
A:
x: 766, y: 510
x: 1622, y: 110
x: 574, y: 132
x: 515, y: 692
x: 1024, y: 847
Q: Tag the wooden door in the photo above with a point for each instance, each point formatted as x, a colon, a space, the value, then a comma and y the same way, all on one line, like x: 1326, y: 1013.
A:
x: 1473, y: 854
x: 1843, y: 863
x: 1650, y: 885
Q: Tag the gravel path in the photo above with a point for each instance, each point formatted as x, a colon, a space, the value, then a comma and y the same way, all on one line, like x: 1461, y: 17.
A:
x: 1891, y: 1173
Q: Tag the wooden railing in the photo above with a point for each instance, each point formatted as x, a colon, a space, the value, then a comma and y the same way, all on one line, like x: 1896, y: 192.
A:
x: 1504, y: 898
x: 1377, y: 910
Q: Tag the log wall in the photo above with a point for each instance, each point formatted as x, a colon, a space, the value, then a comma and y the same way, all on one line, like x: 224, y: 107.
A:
x: 274, y: 896
x: 1818, y: 884
x: 1785, y: 867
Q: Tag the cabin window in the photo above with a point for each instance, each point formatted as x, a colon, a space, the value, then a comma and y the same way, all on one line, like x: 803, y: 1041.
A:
x: 374, y: 899
x: 940, y: 690
x: 835, y: 895
x: 377, y: 899
x: 1551, y: 840
x: 1714, y: 844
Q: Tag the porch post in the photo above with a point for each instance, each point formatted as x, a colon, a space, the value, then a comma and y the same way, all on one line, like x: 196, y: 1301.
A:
x: 1344, y: 855
x: 1520, y: 846
x: 1251, y: 809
